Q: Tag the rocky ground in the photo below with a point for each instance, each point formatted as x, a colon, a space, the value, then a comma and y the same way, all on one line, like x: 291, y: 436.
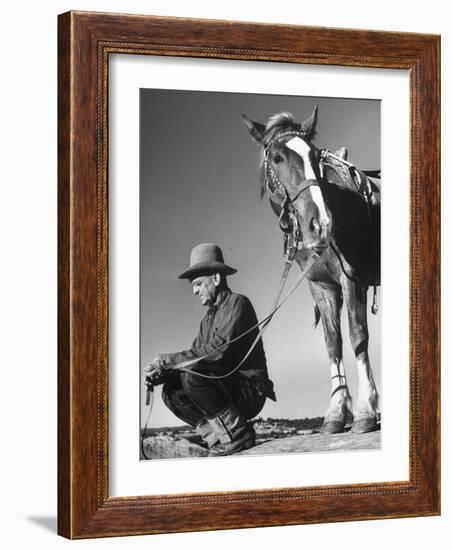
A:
x: 186, y: 444
x: 317, y: 442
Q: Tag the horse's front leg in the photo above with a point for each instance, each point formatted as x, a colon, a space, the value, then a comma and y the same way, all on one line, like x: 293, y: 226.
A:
x: 328, y: 298
x: 366, y: 408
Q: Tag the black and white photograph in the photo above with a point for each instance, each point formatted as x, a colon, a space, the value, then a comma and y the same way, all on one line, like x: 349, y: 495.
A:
x: 219, y: 330
x: 259, y: 274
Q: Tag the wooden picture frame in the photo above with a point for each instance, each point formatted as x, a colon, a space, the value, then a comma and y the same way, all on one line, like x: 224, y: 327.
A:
x: 85, y: 42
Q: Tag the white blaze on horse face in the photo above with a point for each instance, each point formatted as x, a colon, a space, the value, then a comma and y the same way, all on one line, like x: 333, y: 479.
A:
x: 302, y: 149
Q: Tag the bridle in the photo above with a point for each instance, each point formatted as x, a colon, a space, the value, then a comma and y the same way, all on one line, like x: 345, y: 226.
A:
x: 280, y: 196
x: 280, y: 190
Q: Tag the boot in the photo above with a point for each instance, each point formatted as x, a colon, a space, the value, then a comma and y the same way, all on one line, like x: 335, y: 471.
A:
x: 233, y: 432
x: 207, y: 432
x: 245, y: 441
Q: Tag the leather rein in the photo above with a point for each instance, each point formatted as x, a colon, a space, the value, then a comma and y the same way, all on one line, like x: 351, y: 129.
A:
x: 263, y: 324
x: 293, y: 242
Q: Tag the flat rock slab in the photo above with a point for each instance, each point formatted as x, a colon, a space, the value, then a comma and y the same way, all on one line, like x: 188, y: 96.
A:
x: 160, y: 447
x: 317, y: 443
x: 170, y: 447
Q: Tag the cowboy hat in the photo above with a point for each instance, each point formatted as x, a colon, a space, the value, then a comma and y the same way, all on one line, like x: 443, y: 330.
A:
x: 206, y: 258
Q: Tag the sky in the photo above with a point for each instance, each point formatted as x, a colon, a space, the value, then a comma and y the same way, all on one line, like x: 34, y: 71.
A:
x: 199, y: 182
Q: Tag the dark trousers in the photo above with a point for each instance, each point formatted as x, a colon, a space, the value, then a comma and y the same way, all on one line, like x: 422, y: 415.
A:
x: 192, y: 397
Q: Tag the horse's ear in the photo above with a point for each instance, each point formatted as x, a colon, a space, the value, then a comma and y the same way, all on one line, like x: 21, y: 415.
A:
x: 256, y: 129
x: 308, y: 126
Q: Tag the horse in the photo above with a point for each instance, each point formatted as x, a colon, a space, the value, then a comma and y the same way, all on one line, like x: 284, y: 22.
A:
x: 326, y: 205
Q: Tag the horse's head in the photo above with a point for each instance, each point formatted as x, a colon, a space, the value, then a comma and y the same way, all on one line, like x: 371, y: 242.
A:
x: 291, y: 174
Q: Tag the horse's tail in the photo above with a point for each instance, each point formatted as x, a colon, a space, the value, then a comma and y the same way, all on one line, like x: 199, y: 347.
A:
x: 316, y: 315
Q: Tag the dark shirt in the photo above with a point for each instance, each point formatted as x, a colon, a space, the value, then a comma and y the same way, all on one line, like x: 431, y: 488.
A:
x: 230, y: 316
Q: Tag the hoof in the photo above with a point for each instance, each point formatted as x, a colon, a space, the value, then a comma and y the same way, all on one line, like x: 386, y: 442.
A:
x: 333, y: 427
x: 364, y: 425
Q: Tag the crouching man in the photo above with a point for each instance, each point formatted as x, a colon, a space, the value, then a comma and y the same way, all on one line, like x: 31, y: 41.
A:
x: 217, y: 407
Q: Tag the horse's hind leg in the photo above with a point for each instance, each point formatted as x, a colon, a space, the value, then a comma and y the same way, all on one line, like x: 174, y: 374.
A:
x: 366, y: 409
x: 328, y: 299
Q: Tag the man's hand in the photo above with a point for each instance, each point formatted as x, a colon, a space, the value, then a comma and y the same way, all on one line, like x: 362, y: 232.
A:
x: 161, y: 360
x: 155, y: 372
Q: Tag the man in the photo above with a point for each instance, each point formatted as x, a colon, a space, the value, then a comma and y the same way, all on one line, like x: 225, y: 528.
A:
x: 218, y: 406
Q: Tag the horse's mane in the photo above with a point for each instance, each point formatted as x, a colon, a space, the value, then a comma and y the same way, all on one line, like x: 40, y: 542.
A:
x: 278, y: 123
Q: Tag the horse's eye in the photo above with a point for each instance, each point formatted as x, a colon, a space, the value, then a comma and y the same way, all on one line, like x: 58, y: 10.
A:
x: 278, y: 158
